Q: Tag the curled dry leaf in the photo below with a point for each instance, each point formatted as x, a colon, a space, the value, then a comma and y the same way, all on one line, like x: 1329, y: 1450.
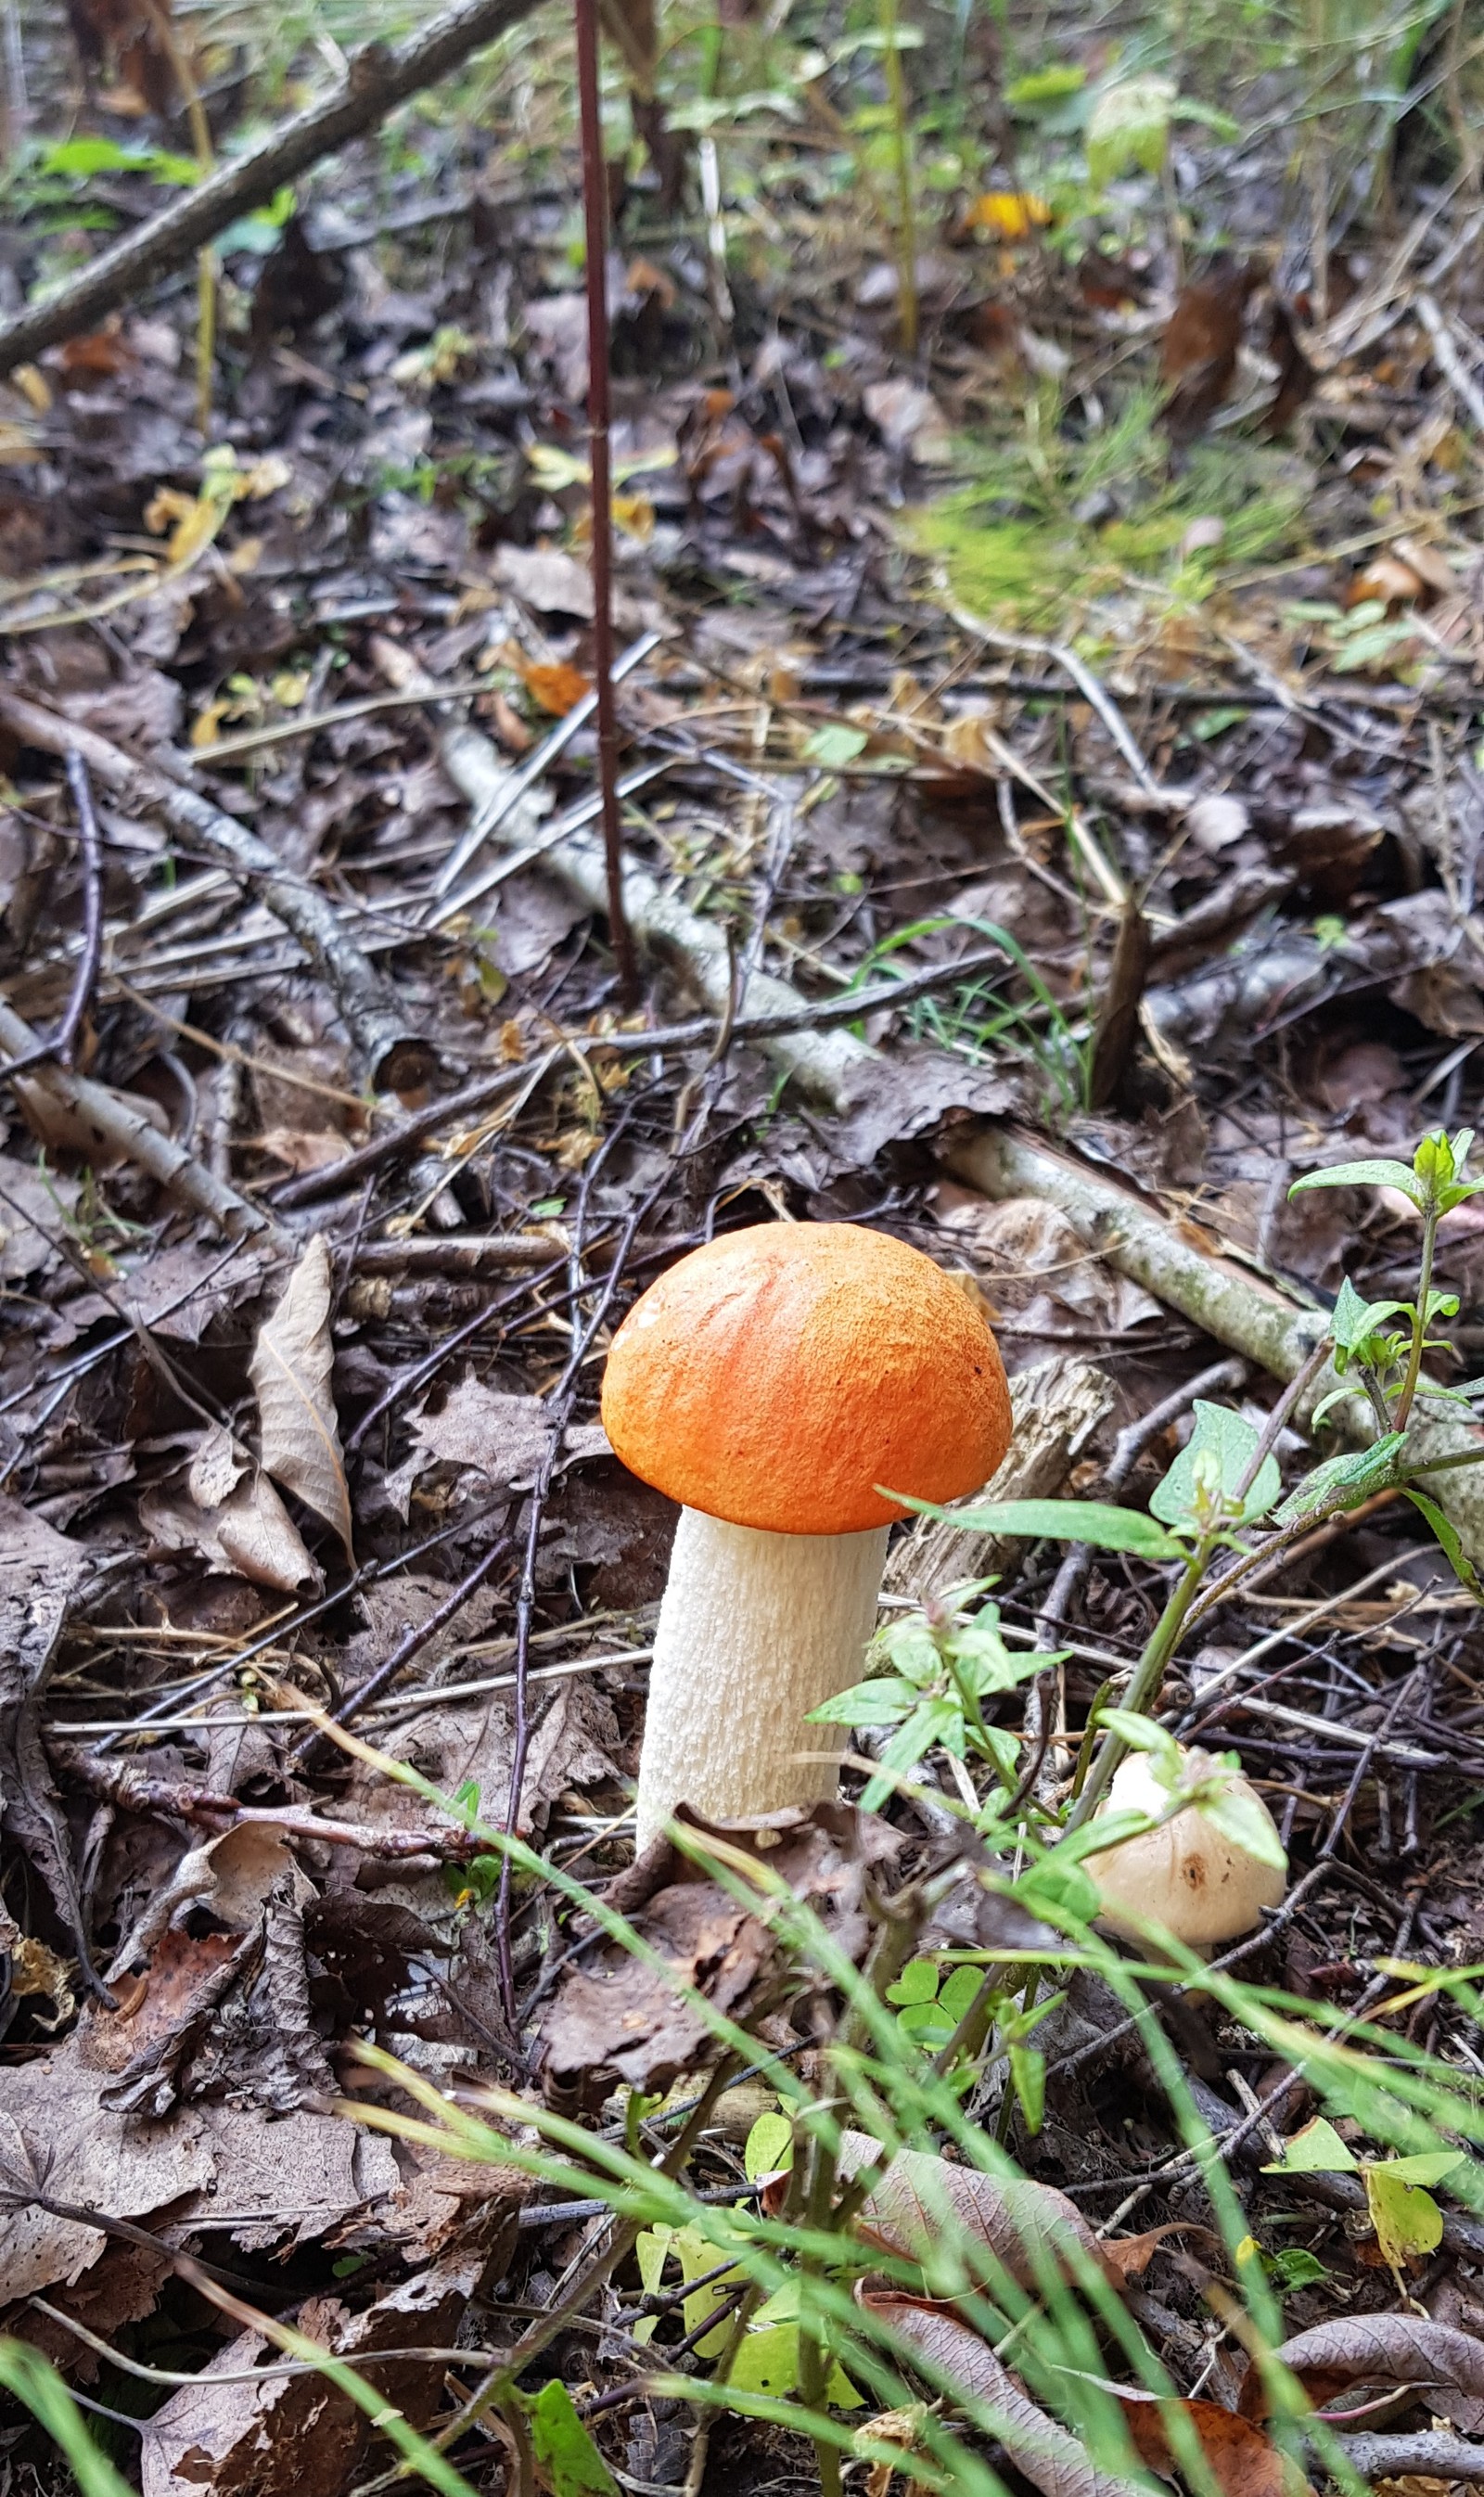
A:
x: 1045, y: 2453
x: 289, y: 1372
x: 1027, y: 2227
x: 1433, y: 2360
x: 230, y: 1875
x: 234, y: 1519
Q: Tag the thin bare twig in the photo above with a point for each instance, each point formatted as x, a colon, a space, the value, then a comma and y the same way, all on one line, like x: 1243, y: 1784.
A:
x: 600, y: 469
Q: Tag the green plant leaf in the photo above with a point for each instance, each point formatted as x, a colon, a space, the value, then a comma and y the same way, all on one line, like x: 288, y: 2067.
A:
x: 31, y: 2378
x: 1046, y: 86
x: 1065, y: 1521
x: 1354, y: 1319
x: 769, y: 2148
x: 1293, y: 2267
x: 836, y: 745
x: 1425, y: 2167
x: 884, y: 1700
x: 1243, y: 1818
x: 1316, y: 2151
x: 917, y: 1983
x: 1368, y: 1174
x: 1028, y: 2079
x: 1348, y: 1480
x: 961, y: 1987
x: 1406, y: 2221
x: 570, y: 2461
x: 1129, y: 128
x: 1230, y: 1438
x: 1060, y: 1886
x: 1447, y: 1536
x: 767, y: 2362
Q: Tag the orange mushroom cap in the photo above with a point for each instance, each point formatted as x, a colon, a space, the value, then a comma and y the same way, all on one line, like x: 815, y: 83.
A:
x: 777, y: 1375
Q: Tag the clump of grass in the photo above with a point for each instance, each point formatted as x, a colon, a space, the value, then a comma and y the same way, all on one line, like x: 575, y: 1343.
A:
x: 1048, y: 520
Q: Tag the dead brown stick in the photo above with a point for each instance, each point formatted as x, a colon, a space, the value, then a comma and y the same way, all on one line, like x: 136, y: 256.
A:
x: 394, y: 1055
x: 377, y: 79
x: 119, y: 1131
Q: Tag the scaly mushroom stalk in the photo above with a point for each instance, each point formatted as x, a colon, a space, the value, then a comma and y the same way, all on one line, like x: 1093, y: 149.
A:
x: 782, y: 1621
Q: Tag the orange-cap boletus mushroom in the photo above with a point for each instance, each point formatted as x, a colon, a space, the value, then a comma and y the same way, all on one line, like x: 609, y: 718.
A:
x: 771, y: 1382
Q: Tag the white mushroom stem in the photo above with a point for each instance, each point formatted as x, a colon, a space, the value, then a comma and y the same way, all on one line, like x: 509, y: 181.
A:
x: 754, y: 1631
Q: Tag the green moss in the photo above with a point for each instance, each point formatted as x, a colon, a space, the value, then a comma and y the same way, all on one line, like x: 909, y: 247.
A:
x: 1048, y: 521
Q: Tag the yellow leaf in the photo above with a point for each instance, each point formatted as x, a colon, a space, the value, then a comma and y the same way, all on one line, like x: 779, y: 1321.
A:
x: 1010, y: 215
x: 17, y: 444
x: 206, y: 728
x: 635, y: 515
x: 1406, y: 2221
x: 37, y: 388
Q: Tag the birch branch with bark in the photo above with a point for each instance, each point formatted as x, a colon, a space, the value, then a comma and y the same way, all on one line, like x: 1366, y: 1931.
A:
x: 377, y: 79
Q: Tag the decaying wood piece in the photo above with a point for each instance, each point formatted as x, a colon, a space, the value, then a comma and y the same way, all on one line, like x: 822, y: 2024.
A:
x: 394, y: 1055
x: 376, y: 79
x: 1057, y: 1404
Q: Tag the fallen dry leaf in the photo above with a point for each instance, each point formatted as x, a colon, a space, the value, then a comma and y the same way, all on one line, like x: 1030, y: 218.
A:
x: 556, y: 687
x: 1026, y: 2227
x: 230, y: 1875
x: 295, y: 2435
x: 234, y: 1519
x: 1045, y: 2453
x: 1198, y: 352
x: 289, y: 1372
x: 203, y: 2166
x: 1431, y: 2358
x: 40, y: 1570
x: 1239, y: 2458
x: 554, y: 583
x: 32, y: 1206
x: 615, y: 2018
x: 486, y: 1431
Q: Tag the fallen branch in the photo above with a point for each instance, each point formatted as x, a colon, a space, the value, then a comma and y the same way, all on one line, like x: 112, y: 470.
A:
x: 395, y: 1056
x: 1176, y: 1262
x: 377, y: 79
x: 117, y: 1130
x: 1186, y: 1270
x: 1435, y: 2454
x: 338, y: 1178
x: 1450, y: 364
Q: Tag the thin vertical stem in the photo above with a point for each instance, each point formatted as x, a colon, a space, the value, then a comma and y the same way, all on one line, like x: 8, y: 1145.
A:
x: 1409, y: 1393
x: 902, y: 150
x: 184, y: 75
x: 596, y: 212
